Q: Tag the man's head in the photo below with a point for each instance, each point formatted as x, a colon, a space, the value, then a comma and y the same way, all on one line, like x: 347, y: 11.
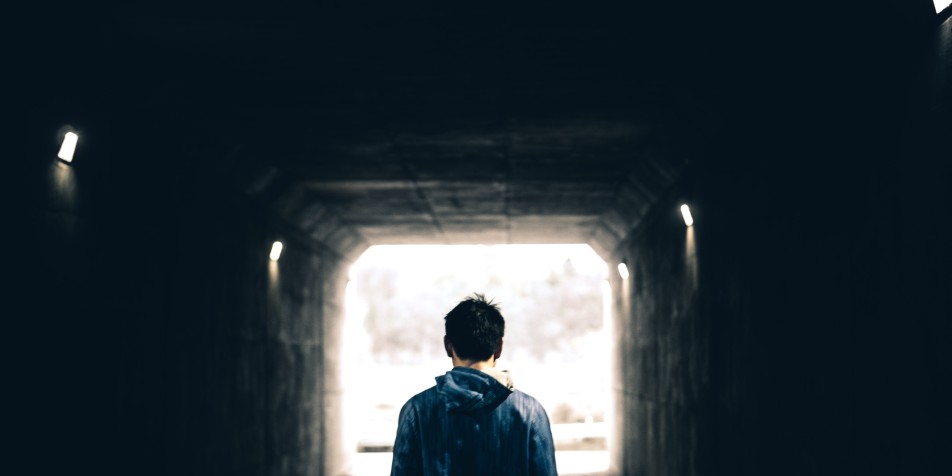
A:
x: 474, y: 330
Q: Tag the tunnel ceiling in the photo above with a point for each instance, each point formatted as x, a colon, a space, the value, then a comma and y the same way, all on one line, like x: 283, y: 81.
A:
x: 440, y: 123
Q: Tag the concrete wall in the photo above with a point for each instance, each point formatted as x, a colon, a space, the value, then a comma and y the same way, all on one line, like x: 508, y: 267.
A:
x: 801, y: 327
x: 150, y: 334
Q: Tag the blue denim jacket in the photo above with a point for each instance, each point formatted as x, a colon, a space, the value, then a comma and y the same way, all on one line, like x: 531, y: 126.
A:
x: 470, y: 424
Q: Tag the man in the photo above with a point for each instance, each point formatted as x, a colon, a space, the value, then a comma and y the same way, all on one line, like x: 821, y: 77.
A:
x: 473, y: 422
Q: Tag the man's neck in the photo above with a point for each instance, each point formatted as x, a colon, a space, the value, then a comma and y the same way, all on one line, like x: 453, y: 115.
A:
x: 480, y: 365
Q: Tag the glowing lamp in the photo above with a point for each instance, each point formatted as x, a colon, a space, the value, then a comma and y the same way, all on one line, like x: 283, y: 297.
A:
x: 623, y: 270
x: 276, y: 250
x: 686, y: 213
x: 68, y: 147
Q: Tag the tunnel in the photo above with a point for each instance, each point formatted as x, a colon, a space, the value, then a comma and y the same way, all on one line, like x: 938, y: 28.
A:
x: 800, y: 325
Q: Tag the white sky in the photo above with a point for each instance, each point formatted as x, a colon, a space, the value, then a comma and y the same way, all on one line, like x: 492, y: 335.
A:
x: 513, y: 260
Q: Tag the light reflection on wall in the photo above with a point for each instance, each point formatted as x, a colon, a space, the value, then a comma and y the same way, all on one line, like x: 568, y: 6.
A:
x: 64, y: 184
x: 273, y: 278
x: 609, y: 343
x: 690, y: 256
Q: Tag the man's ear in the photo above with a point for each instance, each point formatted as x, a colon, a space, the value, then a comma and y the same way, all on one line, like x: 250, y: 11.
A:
x: 448, y: 346
x: 498, y: 350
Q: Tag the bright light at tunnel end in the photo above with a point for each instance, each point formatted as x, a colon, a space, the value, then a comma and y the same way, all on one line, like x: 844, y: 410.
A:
x: 68, y: 147
x: 941, y: 5
x: 369, y: 416
x: 686, y: 213
x: 623, y: 270
x: 276, y: 250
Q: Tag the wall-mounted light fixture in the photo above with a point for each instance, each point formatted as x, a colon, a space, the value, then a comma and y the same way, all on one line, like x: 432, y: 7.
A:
x: 623, y: 270
x: 686, y: 213
x: 68, y: 147
x: 276, y: 250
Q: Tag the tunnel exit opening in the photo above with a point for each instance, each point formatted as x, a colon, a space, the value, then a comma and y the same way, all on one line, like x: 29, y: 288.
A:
x: 556, y: 301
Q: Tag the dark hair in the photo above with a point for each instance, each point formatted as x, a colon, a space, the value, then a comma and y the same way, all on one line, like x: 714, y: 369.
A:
x: 475, y: 328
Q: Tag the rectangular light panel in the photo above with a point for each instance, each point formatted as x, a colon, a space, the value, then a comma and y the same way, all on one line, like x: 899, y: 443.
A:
x: 69, y: 147
x: 276, y: 250
x: 686, y: 213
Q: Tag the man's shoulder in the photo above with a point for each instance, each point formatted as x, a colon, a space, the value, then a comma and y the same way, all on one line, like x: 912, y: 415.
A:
x: 430, y: 398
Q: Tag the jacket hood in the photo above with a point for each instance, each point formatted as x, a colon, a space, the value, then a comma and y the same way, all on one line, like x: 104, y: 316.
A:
x: 469, y: 390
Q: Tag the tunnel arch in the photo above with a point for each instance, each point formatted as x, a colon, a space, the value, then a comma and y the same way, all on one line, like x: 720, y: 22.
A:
x: 484, y: 202
x: 574, y: 179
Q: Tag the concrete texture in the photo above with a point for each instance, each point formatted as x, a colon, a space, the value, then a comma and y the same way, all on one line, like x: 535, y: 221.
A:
x: 798, y: 328
x: 794, y: 329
